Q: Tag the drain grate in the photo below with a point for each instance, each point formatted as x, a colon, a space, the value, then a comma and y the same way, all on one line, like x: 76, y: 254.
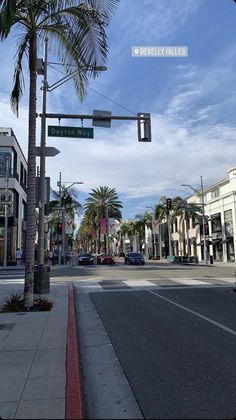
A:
x: 6, y: 326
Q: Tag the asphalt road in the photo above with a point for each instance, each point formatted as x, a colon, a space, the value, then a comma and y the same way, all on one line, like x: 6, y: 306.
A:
x: 175, y: 346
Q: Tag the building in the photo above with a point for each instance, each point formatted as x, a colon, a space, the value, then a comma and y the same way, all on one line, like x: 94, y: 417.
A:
x: 12, y: 163
x: 219, y: 202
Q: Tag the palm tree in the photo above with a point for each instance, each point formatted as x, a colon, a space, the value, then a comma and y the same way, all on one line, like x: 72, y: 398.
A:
x: 101, y: 203
x: 68, y: 202
x: 142, y: 220
x: 77, y: 29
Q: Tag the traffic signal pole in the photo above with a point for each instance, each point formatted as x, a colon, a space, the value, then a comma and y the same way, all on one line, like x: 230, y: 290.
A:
x: 59, y: 237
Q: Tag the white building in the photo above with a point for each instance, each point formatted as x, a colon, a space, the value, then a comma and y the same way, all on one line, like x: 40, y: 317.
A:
x: 11, y: 156
x: 220, y: 227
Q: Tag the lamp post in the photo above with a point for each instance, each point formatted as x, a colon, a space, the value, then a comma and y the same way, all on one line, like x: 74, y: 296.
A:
x: 203, y: 214
x: 46, y: 88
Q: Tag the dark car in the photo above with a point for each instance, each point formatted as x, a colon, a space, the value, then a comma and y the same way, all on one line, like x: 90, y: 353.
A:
x: 85, y: 259
x: 134, y: 258
x: 106, y: 259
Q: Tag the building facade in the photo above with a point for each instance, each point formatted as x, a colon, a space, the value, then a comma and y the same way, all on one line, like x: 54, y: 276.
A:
x: 219, y: 225
x: 13, y: 178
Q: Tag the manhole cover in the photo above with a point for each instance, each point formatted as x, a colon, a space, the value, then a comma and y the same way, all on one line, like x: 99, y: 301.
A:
x: 6, y: 326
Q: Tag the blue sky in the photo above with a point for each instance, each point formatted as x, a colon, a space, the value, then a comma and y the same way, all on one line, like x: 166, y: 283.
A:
x: 191, y: 100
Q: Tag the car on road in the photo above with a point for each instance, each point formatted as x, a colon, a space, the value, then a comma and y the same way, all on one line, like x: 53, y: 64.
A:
x: 85, y: 258
x: 134, y: 258
x: 106, y: 259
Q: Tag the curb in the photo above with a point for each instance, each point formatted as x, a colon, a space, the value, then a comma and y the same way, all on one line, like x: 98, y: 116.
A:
x: 74, y: 407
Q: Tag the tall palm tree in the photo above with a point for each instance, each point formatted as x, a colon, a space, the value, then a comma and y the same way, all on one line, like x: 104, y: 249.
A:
x: 77, y: 29
x: 68, y: 202
x: 142, y: 220
x: 101, y: 203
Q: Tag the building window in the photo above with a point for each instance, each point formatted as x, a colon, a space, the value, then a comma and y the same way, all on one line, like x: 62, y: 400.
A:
x: 228, y: 223
x: 215, y: 193
x: 4, y: 157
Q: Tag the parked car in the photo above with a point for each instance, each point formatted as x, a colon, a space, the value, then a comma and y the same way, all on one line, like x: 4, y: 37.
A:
x: 134, y: 258
x: 106, y: 259
x: 85, y: 259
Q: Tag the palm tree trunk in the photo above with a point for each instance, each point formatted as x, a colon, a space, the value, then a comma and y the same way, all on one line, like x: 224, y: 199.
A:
x: 31, y: 180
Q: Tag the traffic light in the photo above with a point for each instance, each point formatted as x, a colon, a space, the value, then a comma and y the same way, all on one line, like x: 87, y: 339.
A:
x: 144, y: 127
x: 59, y: 228
x: 206, y: 228
x: 168, y: 204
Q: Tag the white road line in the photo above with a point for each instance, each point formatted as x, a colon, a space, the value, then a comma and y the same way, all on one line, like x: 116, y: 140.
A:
x: 227, y: 280
x: 211, y: 321
x: 140, y: 283
x: 189, y: 281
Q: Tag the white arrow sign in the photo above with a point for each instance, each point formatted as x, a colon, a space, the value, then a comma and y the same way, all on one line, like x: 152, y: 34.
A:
x: 49, y: 151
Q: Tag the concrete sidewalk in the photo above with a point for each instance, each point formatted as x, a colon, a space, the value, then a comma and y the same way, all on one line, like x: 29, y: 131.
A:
x: 33, y: 357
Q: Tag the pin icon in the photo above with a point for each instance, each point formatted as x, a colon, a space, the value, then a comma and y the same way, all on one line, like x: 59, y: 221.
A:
x: 136, y: 51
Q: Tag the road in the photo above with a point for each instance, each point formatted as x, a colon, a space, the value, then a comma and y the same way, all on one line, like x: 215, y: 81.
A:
x: 157, y: 341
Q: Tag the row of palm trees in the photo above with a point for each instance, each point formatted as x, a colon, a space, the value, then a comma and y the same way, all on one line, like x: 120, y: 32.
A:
x: 103, y: 203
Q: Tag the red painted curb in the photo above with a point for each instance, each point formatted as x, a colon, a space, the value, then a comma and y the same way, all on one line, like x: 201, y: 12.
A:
x: 74, y: 408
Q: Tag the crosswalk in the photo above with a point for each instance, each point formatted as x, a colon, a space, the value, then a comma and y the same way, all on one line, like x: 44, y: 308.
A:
x: 88, y: 285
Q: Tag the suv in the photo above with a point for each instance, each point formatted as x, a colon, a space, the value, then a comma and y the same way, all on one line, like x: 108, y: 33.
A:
x: 134, y: 258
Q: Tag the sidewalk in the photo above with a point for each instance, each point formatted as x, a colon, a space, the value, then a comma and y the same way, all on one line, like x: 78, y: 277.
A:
x: 33, y: 357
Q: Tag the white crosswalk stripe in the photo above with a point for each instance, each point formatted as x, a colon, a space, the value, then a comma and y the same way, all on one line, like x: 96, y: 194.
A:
x: 189, y: 281
x: 139, y: 283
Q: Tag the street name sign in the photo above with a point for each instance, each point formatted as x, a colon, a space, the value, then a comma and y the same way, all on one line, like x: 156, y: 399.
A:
x: 49, y: 151
x: 70, y: 132
x: 194, y: 209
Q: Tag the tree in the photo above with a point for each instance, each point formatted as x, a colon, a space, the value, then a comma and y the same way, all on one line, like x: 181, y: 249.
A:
x: 179, y: 206
x: 77, y: 29
x: 69, y: 205
x: 101, y: 203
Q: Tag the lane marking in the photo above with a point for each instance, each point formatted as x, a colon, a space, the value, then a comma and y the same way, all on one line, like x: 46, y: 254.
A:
x: 211, y: 321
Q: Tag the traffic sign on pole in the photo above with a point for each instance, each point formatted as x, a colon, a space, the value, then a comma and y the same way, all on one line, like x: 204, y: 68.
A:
x: 49, y: 151
x: 71, y: 132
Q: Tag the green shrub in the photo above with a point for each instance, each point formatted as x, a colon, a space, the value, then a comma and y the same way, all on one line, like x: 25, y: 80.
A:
x: 15, y: 303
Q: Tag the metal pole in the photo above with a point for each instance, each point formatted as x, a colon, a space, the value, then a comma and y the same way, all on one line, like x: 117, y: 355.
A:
x: 42, y: 189
x: 6, y: 216
x: 203, y: 221
x: 60, y: 218
x: 169, y: 234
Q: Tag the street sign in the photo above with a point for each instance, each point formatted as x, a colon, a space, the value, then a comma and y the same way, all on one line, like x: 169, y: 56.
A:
x: 106, y: 122
x: 194, y: 209
x: 49, y: 151
x: 70, y: 132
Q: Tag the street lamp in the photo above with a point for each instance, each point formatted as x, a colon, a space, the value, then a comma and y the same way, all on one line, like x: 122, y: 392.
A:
x: 42, y: 188
x: 203, y: 214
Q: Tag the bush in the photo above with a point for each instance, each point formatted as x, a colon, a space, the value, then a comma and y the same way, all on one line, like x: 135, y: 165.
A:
x: 15, y: 303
